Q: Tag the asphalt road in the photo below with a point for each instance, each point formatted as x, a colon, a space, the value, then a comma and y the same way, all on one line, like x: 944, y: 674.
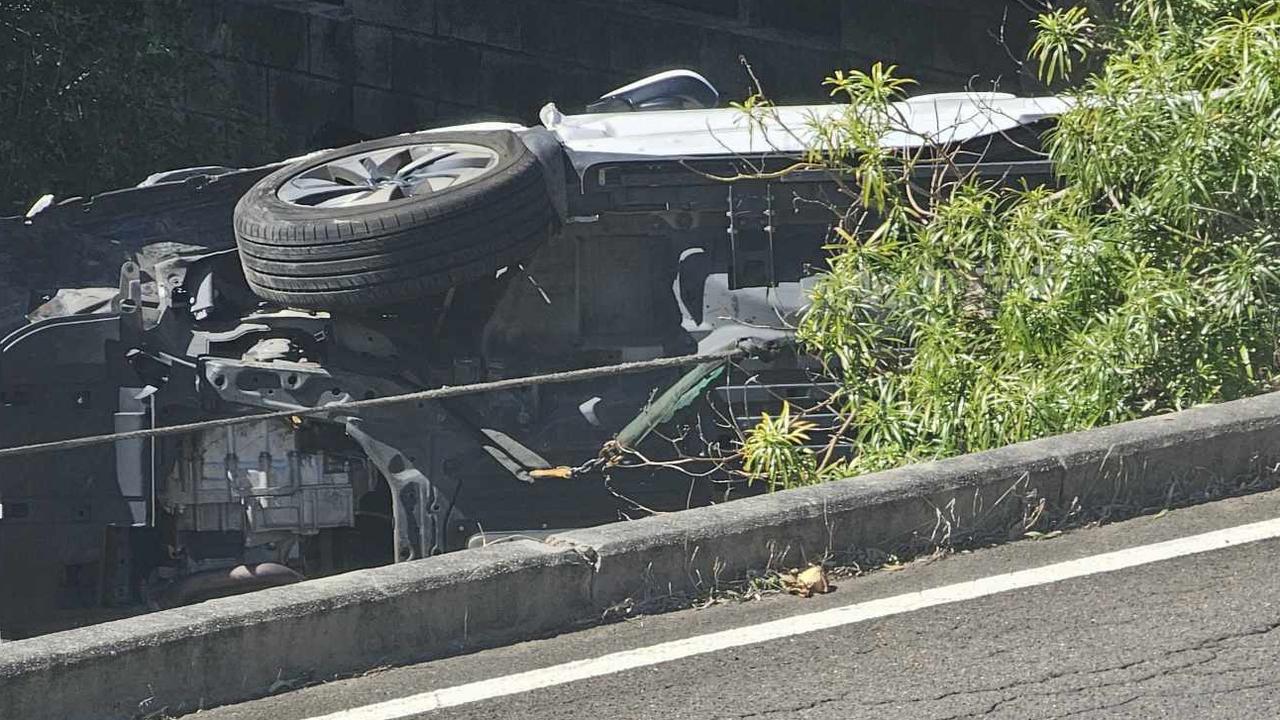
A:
x: 1188, y: 637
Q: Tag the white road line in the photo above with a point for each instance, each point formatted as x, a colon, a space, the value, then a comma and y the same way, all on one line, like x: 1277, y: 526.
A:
x: 801, y: 624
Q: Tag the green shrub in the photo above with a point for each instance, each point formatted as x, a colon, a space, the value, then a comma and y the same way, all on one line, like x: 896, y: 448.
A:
x: 93, y: 96
x: 963, y: 316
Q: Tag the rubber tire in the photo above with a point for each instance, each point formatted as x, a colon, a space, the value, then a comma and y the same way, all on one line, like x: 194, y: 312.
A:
x: 331, y: 258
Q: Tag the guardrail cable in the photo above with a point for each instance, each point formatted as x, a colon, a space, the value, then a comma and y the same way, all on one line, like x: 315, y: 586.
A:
x: 448, y: 391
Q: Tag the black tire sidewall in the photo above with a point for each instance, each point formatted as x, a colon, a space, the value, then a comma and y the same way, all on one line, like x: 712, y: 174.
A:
x: 282, y: 244
x: 263, y: 203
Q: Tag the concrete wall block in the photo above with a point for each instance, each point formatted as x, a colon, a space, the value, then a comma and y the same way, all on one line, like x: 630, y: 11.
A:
x: 253, y: 142
x: 433, y: 49
x: 232, y: 649
x: 571, y: 30
x: 407, y: 15
x: 371, y: 55
x: 642, y: 45
x: 331, y: 45
x: 726, y: 9
x: 516, y: 87
x: 816, y: 18
x: 201, y: 31
x: 791, y: 73
x: 860, y: 22
x: 435, y: 69
x: 311, y: 112
x: 969, y: 42
x: 378, y: 113
x: 448, y: 113
x: 718, y: 62
x: 949, y: 43
x: 866, y: 30
x: 495, y: 23
x: 270, y: 33
x: 230, y: 88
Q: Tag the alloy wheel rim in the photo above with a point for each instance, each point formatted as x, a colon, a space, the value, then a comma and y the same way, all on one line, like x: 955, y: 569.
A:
x: 375, y: 177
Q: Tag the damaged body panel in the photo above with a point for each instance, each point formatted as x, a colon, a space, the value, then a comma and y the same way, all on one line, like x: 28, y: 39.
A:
x: 151, y: 307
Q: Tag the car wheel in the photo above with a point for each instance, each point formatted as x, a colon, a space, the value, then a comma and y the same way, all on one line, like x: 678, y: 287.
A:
x: 392, y: 220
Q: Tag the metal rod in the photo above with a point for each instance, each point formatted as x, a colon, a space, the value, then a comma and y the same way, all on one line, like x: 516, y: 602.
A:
x: 424, y: 395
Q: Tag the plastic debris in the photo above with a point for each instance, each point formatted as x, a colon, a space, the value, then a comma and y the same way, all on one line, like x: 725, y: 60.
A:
x: 555, y: 473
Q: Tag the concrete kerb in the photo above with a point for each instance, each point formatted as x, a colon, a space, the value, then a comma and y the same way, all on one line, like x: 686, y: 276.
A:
x: 1137, y: 464
x: 237, y: 648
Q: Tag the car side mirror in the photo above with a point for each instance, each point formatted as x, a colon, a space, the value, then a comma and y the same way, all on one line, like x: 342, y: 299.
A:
x: 670, y: 90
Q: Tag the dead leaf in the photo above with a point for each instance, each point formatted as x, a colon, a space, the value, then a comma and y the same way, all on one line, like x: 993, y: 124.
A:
x: 805, y: 583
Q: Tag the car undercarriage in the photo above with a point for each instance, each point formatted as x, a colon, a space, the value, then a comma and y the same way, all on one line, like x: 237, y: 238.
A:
x: 134, y: 310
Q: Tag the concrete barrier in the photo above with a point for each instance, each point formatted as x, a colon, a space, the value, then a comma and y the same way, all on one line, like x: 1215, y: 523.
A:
x: 231, y: 649
x: 238, y: 648
x: 1202, y: 452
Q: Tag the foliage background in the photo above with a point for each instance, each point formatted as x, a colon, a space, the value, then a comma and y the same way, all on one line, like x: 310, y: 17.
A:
x: 92, y: 96
x: 961, y: 316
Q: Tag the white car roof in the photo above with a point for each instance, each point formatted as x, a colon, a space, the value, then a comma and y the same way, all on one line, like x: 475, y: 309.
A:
x: 691, y: 134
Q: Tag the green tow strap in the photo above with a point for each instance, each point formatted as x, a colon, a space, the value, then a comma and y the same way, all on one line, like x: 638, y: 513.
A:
x: 681, y: 395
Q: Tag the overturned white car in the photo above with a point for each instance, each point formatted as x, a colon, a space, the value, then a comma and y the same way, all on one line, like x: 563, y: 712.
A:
x: 444, y: 257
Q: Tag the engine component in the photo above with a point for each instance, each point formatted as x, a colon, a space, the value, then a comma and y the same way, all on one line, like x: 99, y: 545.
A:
x: 253, y: 478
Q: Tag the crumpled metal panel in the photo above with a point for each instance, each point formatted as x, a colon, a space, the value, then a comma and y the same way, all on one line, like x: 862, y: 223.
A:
x: 81, y: 242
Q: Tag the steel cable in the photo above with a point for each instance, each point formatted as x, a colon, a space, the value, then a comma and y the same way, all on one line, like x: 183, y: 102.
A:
x: 448, y: 391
